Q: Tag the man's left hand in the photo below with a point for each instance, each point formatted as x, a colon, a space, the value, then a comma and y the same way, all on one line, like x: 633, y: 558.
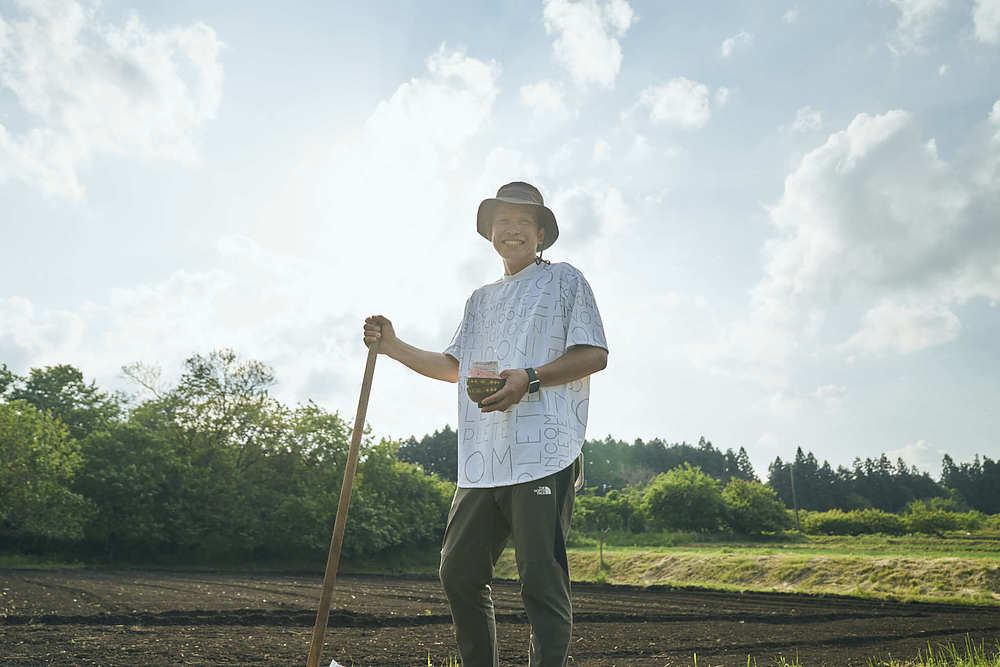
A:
x: 513, y: 391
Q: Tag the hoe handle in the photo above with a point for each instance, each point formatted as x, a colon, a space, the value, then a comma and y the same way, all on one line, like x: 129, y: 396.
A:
x: 337, y: 541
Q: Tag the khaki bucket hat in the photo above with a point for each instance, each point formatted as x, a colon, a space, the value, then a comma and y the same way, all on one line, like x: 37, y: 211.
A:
x: 520, y: 194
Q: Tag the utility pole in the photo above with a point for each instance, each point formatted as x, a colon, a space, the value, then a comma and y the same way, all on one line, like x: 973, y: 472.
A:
x: 795, y: 500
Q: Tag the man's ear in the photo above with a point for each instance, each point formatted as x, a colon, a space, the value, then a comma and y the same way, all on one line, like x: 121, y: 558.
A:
x: 541, y: 238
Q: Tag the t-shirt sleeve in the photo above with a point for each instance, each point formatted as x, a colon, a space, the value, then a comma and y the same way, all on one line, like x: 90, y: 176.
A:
x: 454, y: 348
x: 584, y: 325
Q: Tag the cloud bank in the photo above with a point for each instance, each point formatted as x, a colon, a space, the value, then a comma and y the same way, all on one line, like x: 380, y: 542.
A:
x: 587, y: 34
x: 91, y: 88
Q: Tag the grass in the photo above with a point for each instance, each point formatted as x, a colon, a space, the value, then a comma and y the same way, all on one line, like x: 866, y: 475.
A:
x: 957, y: 569
x: 948, y: 655
x: 23, y: 562
x: 972, y: 654
x: 980, y: 545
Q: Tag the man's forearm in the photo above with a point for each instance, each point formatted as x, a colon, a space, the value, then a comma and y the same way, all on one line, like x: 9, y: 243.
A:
x: 578, y: 361
x: 432, y: 364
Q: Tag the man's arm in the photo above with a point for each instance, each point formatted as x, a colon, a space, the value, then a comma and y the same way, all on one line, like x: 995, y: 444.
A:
x: 432, y: 364
x: 578, y: 361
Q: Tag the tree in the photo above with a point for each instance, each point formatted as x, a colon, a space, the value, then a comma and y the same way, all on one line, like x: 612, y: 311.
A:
x: 437, y: 454
x: 62, y: 391
x: 752, y: 508
x: 597, y: 513
x: 7, y: 380
x: 395, y: 505
x: 39, y: 461
x: 978, y: 482
x: 227, y: 403
x: 738, y: 466
x: 132, y: 475
x: 684, y: 498
x: 605, y: 464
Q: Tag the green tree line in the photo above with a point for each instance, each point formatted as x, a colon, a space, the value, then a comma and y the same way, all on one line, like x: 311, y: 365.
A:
x: 615, y: 465
x: 213, y: 468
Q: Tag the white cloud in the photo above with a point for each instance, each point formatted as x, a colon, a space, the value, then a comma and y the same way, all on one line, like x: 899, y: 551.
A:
x: 905, y: 328
x: 587, y: 37
x: 589, y: 216
x: 195, y: 312
x: 942, y: 70
x: 878, y: 239
x: 986, y: 17
x: 448, y: 106
x: 791, y: 16
x: 39, y: 337
x: 602, y: 150
x: 545, y: 100
x: 787, y: 403
x: 640, y: 148
x: 679, y: 102
x: 916, y: 18
x: 830, y: 395
x: 739, y: 40
x: 429, y: 121
x: 368, y: 206
x: 807, y: 119
x: 93, y: 88
x: 920, y: 454
x: 722, y: 95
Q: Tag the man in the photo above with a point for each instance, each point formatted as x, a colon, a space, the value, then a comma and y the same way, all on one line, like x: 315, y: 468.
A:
x: 517, y: 448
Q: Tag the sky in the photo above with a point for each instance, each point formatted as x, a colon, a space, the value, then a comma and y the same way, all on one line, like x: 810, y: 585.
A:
x: 789, y: 212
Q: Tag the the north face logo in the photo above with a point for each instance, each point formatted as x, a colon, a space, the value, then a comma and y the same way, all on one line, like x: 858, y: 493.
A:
x: 543, y: 491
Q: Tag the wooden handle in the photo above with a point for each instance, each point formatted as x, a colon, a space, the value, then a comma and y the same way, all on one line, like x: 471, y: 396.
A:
x: 337, y: 541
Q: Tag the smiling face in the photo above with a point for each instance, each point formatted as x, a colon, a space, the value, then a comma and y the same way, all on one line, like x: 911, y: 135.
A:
x: 516, y: 236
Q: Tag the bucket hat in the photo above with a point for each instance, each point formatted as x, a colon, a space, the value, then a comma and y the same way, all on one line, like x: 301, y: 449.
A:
x: 521, y: 194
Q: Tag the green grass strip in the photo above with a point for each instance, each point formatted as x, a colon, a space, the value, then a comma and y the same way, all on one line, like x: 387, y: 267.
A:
x: 948, y: 579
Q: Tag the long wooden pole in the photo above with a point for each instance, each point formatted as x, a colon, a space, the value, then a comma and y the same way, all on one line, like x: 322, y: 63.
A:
x: 337, y: 541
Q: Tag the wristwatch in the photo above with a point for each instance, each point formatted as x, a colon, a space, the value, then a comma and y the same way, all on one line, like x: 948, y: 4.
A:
x: 534, y: 384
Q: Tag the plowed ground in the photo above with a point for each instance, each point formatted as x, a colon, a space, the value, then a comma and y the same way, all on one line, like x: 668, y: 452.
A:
x: 169, y: 618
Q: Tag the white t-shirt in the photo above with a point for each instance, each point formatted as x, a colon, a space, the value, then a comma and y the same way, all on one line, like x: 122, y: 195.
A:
x: 524, y: 320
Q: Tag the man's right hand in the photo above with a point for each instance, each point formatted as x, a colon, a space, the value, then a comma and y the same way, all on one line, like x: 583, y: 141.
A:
x: 379, y: 327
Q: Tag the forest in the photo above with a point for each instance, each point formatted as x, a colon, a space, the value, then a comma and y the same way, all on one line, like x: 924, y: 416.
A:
x: 215, y: 468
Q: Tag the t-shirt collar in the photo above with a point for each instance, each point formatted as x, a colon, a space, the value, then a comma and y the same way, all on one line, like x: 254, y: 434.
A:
x: 523, y: 273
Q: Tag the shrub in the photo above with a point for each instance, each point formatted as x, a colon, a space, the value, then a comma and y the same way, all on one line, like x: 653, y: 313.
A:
x: 953, y: 502
x: 933, y: 522
x: 596, y: 513
x: 855, y: 522
x: 972, y: 520
x: 991, y: 522
x: 752, y: 508
x: 38, y: 460
x: 684, y: 498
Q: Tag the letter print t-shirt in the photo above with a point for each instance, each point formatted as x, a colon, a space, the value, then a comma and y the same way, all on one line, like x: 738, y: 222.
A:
x: 524, y: 320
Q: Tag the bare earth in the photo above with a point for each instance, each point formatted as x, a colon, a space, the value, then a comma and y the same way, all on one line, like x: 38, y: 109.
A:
x: 86, y: 617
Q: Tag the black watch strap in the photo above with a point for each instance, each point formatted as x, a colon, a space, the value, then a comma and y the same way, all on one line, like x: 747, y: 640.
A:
x: 534, y: 384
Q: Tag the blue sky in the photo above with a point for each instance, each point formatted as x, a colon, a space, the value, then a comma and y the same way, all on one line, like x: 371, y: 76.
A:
x: 788, y: 211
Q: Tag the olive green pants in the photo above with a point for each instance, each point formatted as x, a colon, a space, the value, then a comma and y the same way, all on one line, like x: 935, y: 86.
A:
x: 536, y: 515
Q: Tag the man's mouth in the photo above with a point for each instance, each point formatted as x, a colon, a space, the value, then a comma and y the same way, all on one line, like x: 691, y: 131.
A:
x: 513, y: 242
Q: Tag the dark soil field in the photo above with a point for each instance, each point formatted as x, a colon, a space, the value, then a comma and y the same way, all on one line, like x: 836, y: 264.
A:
x: 78, y: 617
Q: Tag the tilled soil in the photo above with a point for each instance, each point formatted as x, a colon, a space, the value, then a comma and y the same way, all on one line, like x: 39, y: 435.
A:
x: 169, y: 618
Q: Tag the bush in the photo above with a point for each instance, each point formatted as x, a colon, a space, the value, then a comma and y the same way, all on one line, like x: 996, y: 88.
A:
x: 684, y: 498
x: 752, y: 508
x: 855, y: 522
x: 38, y: 460
x: 933, y: 522
x: 596, y: 513
x: 614, y: 511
